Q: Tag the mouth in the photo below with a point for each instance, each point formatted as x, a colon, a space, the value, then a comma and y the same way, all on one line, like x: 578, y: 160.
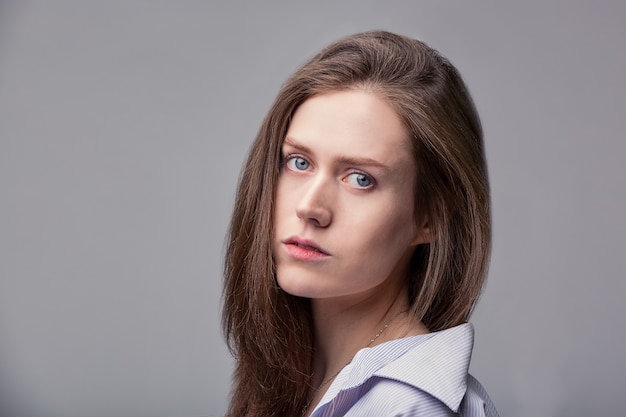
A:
x: 304, y: 245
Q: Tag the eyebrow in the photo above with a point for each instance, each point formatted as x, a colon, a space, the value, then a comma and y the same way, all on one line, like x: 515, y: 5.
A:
x: 348, y: 160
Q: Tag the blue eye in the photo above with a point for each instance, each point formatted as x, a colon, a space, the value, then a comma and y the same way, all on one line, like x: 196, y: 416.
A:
x: 298, y: 163
x: 359, y: 180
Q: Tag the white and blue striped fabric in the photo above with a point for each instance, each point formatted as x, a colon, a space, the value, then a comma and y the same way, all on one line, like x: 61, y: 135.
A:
x: 417, y: 376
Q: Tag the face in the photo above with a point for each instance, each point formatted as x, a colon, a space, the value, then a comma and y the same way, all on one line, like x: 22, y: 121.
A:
x: 344, y: 220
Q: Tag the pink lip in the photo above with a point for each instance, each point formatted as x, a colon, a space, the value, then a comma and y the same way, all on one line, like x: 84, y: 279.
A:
x: 304, y: 249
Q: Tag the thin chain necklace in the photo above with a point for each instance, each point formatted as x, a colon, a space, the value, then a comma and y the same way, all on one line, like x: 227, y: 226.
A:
x: 333, y: 376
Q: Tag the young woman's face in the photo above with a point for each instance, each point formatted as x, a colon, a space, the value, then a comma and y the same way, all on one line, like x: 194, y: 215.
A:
x: 344, y: 220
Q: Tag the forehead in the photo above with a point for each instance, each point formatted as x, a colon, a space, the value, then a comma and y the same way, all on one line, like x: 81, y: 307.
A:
x: 355, y: 121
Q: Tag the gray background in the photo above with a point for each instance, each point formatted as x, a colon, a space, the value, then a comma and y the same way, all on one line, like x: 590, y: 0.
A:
x: 123, y: 126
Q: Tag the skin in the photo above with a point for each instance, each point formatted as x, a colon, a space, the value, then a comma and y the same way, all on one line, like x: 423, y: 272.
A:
x: 344, y: 222
x: 346, y: 186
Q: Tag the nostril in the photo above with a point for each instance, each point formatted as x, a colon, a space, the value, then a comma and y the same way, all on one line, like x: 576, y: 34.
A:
x: 314, y: 206
x: 319, y: 217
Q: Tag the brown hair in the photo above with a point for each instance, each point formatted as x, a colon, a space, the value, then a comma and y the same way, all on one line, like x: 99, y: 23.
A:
x: 268, y: 330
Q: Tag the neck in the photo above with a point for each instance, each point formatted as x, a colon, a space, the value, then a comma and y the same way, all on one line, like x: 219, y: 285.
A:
x: 343, y: 327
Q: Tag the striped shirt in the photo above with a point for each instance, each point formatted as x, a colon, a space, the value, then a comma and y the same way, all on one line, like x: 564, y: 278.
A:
x: 425, y: 375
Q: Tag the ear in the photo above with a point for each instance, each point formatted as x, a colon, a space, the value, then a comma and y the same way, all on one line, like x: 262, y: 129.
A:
x: 422, y: 234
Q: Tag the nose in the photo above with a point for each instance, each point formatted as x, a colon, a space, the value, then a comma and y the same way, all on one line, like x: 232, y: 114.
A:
x: 315, y: 204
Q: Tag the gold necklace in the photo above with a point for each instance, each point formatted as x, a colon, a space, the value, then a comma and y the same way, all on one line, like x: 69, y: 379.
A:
x: 333, y: 376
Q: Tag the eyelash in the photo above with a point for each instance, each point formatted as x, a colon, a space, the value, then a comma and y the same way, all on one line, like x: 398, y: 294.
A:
x: 293, y: 158
x: 358, y: 175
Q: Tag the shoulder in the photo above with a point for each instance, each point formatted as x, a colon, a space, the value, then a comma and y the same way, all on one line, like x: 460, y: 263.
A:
x: 384, y: 397
x: 476, y: 401
x: 387, y: 397
x: 418, y: 376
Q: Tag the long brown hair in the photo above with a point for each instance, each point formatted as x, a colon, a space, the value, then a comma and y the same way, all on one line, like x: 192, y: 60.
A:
x: 269, y: 331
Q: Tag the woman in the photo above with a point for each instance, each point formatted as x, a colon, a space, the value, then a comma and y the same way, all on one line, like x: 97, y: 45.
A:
x: 360, y: 240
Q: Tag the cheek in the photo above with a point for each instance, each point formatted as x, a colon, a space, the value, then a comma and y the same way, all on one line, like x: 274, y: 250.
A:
x: 385, y: 237
x: 392, y: 224
x: 284, y: 208
x: 279, y: 203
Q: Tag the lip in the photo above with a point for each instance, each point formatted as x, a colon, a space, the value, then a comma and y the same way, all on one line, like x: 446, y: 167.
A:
x: 304, y: 249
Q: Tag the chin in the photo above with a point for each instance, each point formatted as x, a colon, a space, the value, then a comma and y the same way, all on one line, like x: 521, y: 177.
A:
x: 299, y: 285
x: 295, y: 287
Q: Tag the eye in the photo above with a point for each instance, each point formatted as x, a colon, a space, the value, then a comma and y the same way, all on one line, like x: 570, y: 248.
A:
x: 297, y: 163
x: 359, y: 180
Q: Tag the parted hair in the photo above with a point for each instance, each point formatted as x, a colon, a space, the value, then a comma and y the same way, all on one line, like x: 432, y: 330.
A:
x: 270, y: 331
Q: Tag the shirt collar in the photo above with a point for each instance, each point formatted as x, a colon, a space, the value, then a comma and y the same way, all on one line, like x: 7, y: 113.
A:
x: 436, y: 363
x: 443, y: 362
